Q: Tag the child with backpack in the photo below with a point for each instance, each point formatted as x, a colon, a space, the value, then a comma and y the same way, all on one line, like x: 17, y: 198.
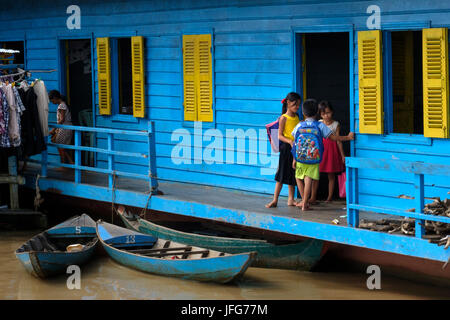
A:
x: 285, y: 174
x: 307, y: 149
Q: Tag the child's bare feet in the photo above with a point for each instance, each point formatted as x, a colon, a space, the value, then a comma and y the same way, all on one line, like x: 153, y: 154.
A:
x: 292, y: 203
x: 313, y: 202
x: 272, y: 204
x: 306, y: 208
x: 299, y: 204
x: 329, y: 200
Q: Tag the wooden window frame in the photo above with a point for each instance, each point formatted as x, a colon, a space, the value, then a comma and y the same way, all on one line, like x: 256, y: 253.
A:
x: 389, y: 135
x: 116, y: 116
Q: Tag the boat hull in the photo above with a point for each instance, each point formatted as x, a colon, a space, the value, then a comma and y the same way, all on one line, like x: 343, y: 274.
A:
x: 296, y: 256
x: 47, y: 264
x: 46, y: 254
x: 220, y: 269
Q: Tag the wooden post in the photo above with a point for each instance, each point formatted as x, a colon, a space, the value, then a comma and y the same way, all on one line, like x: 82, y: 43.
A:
x: 419, y: 188
x: 152, y: 157
x: 348, y: 191
x: 44, y: 159
x: 77, y: 157
x: 352, y: 197
x: 355, y: 196
x: 110, y: 160
x: 13, y: 187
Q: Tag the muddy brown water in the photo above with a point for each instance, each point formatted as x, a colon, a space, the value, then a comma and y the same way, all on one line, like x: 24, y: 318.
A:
x: 104, y: 279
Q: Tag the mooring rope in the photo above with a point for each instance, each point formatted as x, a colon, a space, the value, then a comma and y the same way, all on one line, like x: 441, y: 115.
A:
x: 113, y: 197
x: 142, y: 214
x: 37, y: 198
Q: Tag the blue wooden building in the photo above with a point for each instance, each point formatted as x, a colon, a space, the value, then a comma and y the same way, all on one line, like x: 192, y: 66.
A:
x: 178, y: 93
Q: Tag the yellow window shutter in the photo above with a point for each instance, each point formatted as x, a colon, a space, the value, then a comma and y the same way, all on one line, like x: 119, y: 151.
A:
x: 104, y: 76
x: 137, y: 59
x: 204, y: 76
x: 435, y: 83
x: 189, y: 78
x: 370, y: 82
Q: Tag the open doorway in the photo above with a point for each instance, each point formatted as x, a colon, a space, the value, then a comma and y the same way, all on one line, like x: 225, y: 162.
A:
x: 324, y: 75
x: 77, y: 87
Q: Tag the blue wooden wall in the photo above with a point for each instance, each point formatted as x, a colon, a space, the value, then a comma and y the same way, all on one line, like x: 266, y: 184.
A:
x: 253, y: 70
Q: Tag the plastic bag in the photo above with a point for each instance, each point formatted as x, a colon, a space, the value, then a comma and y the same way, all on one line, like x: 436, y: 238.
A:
x: 272, y: 132
x: 342, y: 178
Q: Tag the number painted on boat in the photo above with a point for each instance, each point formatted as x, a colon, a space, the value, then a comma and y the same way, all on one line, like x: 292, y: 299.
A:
x: 131, y: 239
x: 77, y: 229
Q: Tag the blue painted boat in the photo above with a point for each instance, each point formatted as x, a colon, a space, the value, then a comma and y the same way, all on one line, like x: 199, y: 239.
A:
x: 49, y: 253
x: 294, y: 255
x: 164, y: 257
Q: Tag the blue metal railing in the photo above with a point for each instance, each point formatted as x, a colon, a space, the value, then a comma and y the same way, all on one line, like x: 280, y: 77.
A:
x: 417, y: 171
x: 109, y: 151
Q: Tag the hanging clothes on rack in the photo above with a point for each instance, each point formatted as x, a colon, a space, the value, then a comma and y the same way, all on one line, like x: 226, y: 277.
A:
x: 16, y: 109
x: 4, y: 121
x: 33, y: 141
x: 23, y: 114
x: 42, y: 103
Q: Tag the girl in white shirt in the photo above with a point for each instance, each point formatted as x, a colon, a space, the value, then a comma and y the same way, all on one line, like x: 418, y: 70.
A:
x: 62, y: 136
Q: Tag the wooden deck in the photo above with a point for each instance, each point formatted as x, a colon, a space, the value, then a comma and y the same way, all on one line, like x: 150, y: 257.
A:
x: 218, y: 197
x: 235, y: 208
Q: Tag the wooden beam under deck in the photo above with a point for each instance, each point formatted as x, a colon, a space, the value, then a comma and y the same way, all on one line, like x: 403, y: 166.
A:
x: 239, y: 208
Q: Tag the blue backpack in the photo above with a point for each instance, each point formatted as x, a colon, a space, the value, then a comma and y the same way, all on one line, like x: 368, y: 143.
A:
x: 308, y: 144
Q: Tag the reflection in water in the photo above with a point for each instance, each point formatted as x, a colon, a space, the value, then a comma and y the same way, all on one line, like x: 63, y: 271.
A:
x: 102, y: 278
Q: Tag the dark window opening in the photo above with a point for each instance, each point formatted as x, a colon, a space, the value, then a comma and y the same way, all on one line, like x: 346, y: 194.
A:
x: 79, y: 79
x: 326, y: 76
x: 76, y: 70
x: 407, y: 83
x: 125, y: 76
x: 15, y: 58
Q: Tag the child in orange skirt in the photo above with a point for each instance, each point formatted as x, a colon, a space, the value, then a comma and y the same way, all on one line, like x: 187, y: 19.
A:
x: 333, y: 160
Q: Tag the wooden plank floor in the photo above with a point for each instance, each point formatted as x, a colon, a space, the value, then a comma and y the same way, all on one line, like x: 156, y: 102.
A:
x: 217, y: 197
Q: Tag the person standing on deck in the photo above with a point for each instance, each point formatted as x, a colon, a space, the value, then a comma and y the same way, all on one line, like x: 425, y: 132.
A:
x: 62, y: 136
x: 285, y: 174
x: 308, y: 149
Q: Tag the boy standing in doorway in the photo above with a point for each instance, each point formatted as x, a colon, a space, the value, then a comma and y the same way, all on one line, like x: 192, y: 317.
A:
x: 308, y: 149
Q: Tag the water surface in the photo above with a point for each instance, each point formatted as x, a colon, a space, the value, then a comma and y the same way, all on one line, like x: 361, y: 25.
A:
x: 102, y: 278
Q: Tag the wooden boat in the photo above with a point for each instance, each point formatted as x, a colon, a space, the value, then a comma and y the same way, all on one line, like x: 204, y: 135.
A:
x: 164, y: 257
x: 49, y: 253
x: 295, y: 255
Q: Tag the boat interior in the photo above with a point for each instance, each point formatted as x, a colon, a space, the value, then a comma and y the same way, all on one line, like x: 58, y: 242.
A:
x: 166, y: 249
x: 45, y: 243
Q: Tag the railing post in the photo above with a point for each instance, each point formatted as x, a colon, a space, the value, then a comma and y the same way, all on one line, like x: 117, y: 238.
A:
x: 13, y: 187
x: 349, y: 193
x: 110, y: 160
x: 44, y: 159
x: 419, y: 188
x: 77, y: 157
x: 153, y: 181
x: 352, y: 196
x: 355, y: 196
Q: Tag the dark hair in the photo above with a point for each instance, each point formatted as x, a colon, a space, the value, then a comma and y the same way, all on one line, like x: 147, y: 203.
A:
x: 54, y: 94
x: 323, y: 105
x: 291, y: 96
x: 310, y: 108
